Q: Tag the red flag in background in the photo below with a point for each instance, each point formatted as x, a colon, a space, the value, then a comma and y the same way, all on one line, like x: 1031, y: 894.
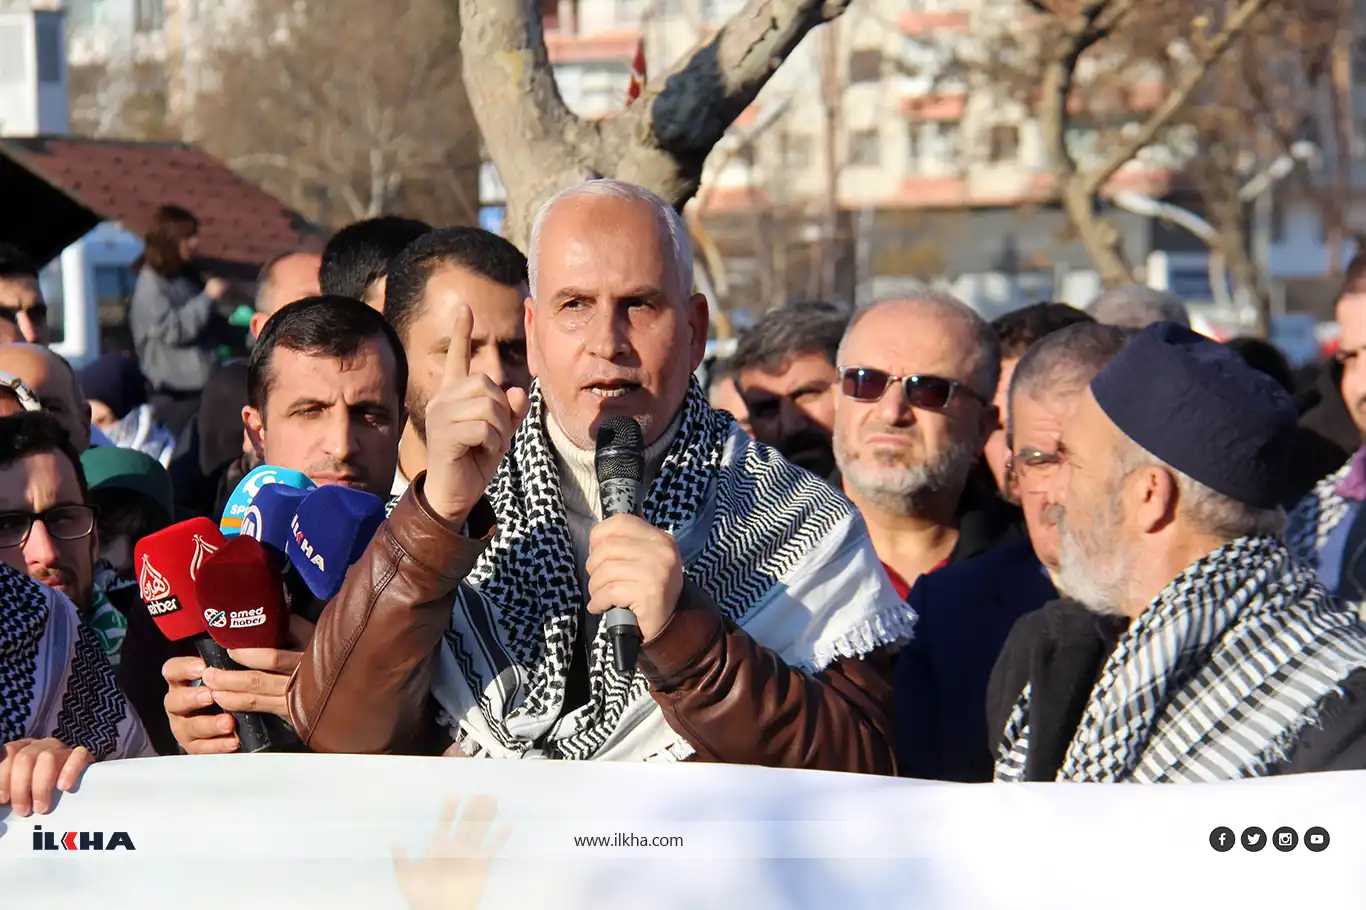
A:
x: 637, y: 84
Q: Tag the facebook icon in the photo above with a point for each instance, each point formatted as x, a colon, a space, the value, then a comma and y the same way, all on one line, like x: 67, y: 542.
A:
x: 1221, y: 839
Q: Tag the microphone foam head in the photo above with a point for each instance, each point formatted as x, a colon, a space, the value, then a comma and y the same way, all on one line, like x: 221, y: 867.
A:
x: 267, y: 518
x: 168, y: 564
x: 251, y: 486
x: 620, y: 451
x: 330, y: 530
x: 241, y: 596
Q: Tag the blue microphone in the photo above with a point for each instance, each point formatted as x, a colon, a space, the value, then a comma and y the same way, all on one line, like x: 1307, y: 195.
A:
x: 330, y: 530
x: 268, y: 518
x: 250, y: 486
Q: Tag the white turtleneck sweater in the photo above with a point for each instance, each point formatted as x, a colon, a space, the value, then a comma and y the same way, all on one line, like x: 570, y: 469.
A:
x: 579, y: 485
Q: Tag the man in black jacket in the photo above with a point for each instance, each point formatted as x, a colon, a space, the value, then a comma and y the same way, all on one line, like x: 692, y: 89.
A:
x: 1205, y: 652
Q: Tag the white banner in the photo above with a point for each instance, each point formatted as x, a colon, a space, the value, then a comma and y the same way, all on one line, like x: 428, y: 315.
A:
x: 302, y: 831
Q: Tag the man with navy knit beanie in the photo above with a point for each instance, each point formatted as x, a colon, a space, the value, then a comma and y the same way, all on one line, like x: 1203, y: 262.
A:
x: 1194, y: 648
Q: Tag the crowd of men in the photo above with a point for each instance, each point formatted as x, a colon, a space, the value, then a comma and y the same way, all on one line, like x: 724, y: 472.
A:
x: 898, y: 541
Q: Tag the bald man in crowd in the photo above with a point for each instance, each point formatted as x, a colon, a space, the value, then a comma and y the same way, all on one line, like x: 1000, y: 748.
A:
x: 916, y: 381
x: 284, y: 279
x: 54, y: 382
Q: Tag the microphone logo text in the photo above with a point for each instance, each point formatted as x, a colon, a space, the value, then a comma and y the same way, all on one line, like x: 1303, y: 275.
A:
x: 251, y: 523
x: 153, y: 584
x: 305, y: 547
x: 255, y: 484
x: 81, y: 840
x: 202, y: 548
x: 162, y: 607
x: 216, y: 619
x: 247, y: 619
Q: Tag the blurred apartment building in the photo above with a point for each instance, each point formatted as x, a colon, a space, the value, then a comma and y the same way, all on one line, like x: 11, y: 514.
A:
x: 934, y: 179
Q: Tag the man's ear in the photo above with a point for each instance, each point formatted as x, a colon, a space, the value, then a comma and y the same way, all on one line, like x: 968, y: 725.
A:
x: 1158, y: 499
x: 699, y: 320
x: 255, y: 427
x: 988, y: 422
x: 533, y: 354
x: 257, y: 324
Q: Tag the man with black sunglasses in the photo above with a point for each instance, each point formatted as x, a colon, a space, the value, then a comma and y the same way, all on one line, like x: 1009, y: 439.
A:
x: 916, y: 379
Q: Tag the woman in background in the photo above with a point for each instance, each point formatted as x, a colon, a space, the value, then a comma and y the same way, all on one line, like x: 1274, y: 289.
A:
x: 175, y: 323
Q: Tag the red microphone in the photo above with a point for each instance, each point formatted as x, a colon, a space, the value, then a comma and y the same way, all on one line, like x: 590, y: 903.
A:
x: 168, y: 564
x: 242, y: 596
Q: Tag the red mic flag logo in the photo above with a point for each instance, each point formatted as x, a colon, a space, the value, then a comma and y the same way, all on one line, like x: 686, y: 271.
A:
x: 638, y: 79
x: 152, y: 583
x: 202, y: 548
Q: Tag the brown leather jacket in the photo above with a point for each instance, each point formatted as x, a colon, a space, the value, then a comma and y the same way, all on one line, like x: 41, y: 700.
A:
x: 364, y: 682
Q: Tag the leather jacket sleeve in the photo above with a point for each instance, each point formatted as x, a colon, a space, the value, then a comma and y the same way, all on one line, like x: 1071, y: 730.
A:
x: 363, y: 684
x: 737, y: 702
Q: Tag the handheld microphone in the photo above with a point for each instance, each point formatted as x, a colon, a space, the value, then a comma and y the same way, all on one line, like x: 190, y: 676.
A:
x: 249, y: 488
x: 620, y: 464
x: 268, y: 517
x: 330, y: 530
x: 241, y: 595
x: 168, y: 565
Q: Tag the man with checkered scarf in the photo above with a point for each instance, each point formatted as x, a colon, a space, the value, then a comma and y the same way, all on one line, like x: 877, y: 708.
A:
x: 471, y: 625
x: 1193, y: 646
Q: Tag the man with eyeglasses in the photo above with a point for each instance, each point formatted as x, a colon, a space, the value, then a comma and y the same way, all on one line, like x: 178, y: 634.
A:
x: 966, y: 611
x: 21, y: 296
x: 48, y: 532
x: 916, y: 379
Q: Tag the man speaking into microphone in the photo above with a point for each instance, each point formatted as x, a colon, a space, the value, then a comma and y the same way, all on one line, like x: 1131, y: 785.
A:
x: 762, y: 609
x: 326, y: 382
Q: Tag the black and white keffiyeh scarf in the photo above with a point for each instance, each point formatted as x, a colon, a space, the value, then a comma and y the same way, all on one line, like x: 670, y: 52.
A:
x: 781, y: 553
x: 55, y: 680
x: 1314, y: 517
x: 1216, y: 680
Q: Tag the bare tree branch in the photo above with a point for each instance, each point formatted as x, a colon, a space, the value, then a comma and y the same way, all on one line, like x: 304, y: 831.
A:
x: 690, y: 107
x: 1180, y: 94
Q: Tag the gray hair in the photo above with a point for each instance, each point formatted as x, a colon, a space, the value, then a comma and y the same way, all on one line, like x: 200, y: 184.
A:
x: 986, y: 370
x: 670, y: 225
x: 794, y: 329
x: 1208, y: 511
x: 1065, y: 361
x: 1137, y: 306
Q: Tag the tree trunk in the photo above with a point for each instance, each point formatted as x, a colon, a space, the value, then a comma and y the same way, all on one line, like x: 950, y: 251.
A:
x: 660, y: 142
x: 832, y: 90
x: 1340, y: 95
x: 1101, y: 239
x: 1079, y: 189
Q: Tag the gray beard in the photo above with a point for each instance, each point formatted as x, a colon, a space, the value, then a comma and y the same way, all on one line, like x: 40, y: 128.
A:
x: 1091, y: 569
x: 902, y: 490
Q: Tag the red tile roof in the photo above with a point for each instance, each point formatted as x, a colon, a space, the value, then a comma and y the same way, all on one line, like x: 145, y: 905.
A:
x: 61, y: 187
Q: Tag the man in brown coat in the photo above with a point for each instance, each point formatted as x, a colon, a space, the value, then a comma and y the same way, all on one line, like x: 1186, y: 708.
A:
x: 764, y: 612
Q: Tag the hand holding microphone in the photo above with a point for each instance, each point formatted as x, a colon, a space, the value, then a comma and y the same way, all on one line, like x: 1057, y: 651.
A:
x: 470, y: 425
x: 199, y: 586
x: 635, y: 573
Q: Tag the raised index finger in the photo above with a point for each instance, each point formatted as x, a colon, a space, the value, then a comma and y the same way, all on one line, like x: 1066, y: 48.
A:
x: 458, y: 354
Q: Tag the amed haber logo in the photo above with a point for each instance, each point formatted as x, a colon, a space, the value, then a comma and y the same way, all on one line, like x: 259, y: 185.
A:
x: 202, y: 548
x: 81, y: 840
